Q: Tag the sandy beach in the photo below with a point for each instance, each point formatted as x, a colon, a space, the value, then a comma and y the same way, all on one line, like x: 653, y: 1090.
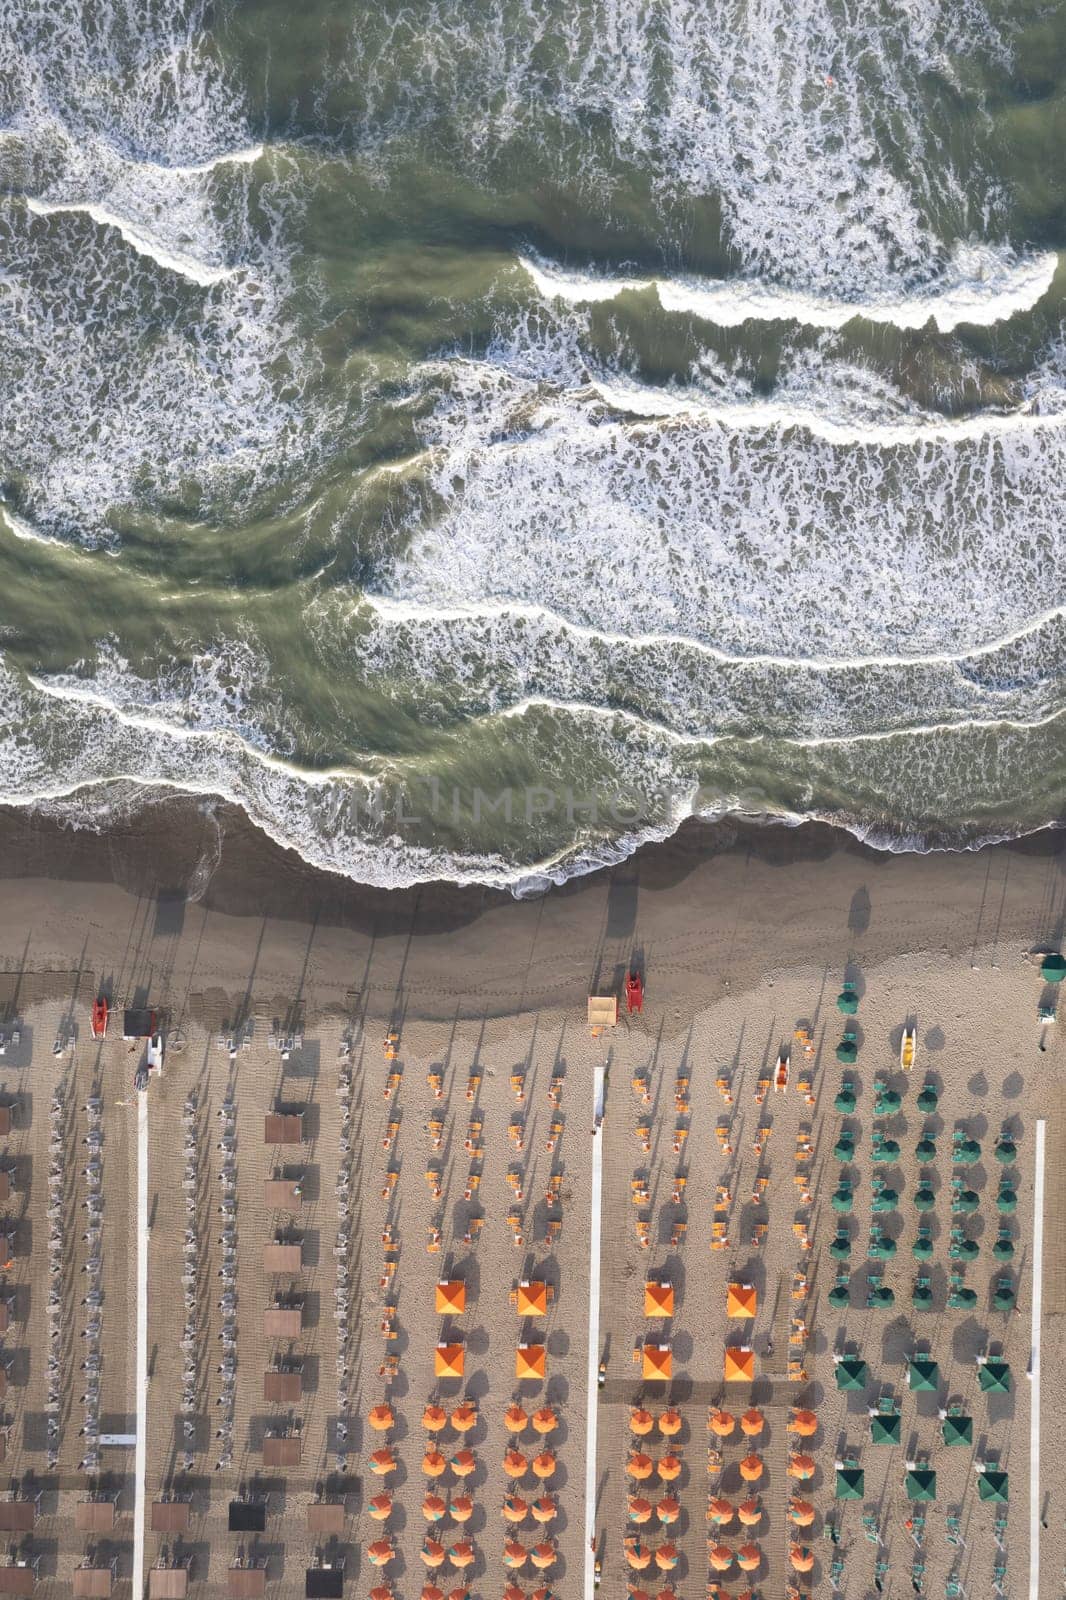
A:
x: 451, y: 1153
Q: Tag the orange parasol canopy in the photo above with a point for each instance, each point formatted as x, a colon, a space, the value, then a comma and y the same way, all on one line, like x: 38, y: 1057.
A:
x: 450, y: 1297
x: 529, y: 1361
x: 431, y: 1552
x: 669, y: 1468
x: 722, y: 1423
x: 380, y: 1417
x: 641, y: 1421
x: 463, y: 1463
x: 669, y: 1423
x: 544, y: 1593
x: 739, y: 1364
x: 750, y: 1512
x: 669, y: 1508
x: 658, y: 1299
x: 513, y: 1592
x: 448, y: 1361
x: 666, y: 1557
x: 514, y: 1508
x: 515, y: 1418
x: 752, y: 1422
x: 719, y: 1510
x: 461, y: 1554
x: 461, y: 1508
x: 434, y: 1418
x: 381, y: 1591
x: 801, y: 1466
x: 666, y: 1594
x: 531, y: 1299
x: 544, y: 1509
x: 514, y: 1555
x: 748, y: 1557
x: 804, y: 1423
x: 544, y: 1420
x: 382, y: 1461
x: 639, y: 1509
x: 640, y: 1465
x: 460, y: 1592
x: 433, y: 1463
x: 720, y: 1556
x: 515, y: 1464
x: 657, y: 1361
x: 800, y: 1557
x: 464, y: 1417
x: 542, y: 1556
x: 638, y: 1556
x: 741, y: 1300
x: 380, y: 1507
x: 801, y: 1512
x: 543, y: 1465
x: 751, y: 1468
x: 433, y: 1507
x: 431, y: 1592
x: 638, y: 1594
x: 380, y: 1553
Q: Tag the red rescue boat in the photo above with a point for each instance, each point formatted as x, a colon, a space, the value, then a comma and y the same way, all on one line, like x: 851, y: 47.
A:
x: 634, y: 992
x: 99, y: 1018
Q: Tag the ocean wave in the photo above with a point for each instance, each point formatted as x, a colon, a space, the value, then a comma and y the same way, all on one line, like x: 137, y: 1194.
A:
x: 980, y: 286
x: 185, y: 265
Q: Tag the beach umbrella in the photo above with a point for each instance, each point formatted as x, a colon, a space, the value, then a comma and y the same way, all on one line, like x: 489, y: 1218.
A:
x: 543, y: 1465
x: 513, y: 1592
x: 669, y: 1509
x: 514, y: 1508
x: 460, y: 1593
x: 847, y: 1051
x: 720, y: 1557
x: 1004, y: 1298
x: 1006, y: 1202
x: 842, y: 1199
x: 964, y: 1202
x: 544, y: 1420
x: 380, y: 1553
x: 847, y: 1001
x: 924, y: 1199
x: 638, y: 1594
x: 840, y: 1247
x: 923, y: 1375
x: 752, y: 1422
x: 514, y: 1555
x: 800, y: 1465
x: 881, y: 1247
x: 450, y: 1297
x: 514, y: 1418
x: 1003, y: 1249
x: 879, y: 1297
x: 464, y: 1417
x: 850, y: 1372
x: 544, y: 1509
x: 382, y: 1462
x: 850, y: 1484
x: 964, y: 1250
x: 666, y: 1557
x: 639, y: 1465
x: 669, y: 1468
x: 928, y: 1099
x: 637, y: 1555
x: 920, y: 1484
x: 380, y: 1417
x: 923, y: 1249
x: 641, y: 1421
x: 749, y: 1512
x: 801, y: 1512
x: 751, y: 1468
x: 658, y: 1299
x: 380, y: 1507
x: 885, y: 1200
x: 431, y: 1592
x: 803, y: 1421
x: 719, y: 1510
x: 748, y: 1557
x: 1053, y: 968
x: 722, y: 1423
x: 922, y: 1297
x: 965, y: 1152
x: 992, y: 1486
x: 434, y: 1418
x: 432, y: 1553
x: 886, y: 1101
x: 461, y: 1508
x: 800, y: 1557
x: 531, y: 1299
x: 449, y: 1360
x: 957, y: 1430
x: 542, y: 1556
x: 433, y: 1507
x: 381, y: 1591
x: 640, y: 1510
x: 844, y: 1101
x: 844, y: 1149
x: 544, y: 1593
x: 839, y: 1296
x: 657, y: 1361
x: 1006, y: 1152
x: 666, y: 1594
x: 515, y: 1464
x: 739, y: 1364
x: 961, y: 1299
x: 885, y: 1428
x: 670, y: 1423
x: 886, y: 1150
x: 463, y: 1463
x: 925, y: 1150
x: 529, y: 1361
x: 741, y: 1300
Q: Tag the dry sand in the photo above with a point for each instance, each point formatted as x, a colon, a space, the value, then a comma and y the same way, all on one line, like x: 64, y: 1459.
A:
x: 744, y: 934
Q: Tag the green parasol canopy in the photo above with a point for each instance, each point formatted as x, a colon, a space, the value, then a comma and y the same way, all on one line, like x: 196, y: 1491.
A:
x: 881, y: 1247
x: 958, y: 1430
x: 839, y: 1296
x: 847, y: 1001
x: 922, y: 1297
x: 842, y: 1199
x: 924, y: 1375
x: 965, y: 1203
x: 840, y: 1247
x: 925, y: 1150
x: 928, y: 1099
x: 845, y: 1100
x: 993, y: 1486
x: 851, y: 1483
x: 844, y: 1148
x: 920, y: 1484
x: 922, y: 1248
x: 885, y: 1200
x: 924, y: 1198
x: 886, y: 1150
x: 1053, y: 968
x: 1003, y: 1249
x: 962, y: 1299
x: 847, y: 1052
x: 885, y: 1428
x: 965, y: 1250
x: 1004, y: 1298
x: 851, y: 1374
x: 1006, y: 1152
x: 880, y: 1298
x: 1006, y: 1202
x: 994, y: 1377
x: 964, y: 1152
x: 887, y: 1102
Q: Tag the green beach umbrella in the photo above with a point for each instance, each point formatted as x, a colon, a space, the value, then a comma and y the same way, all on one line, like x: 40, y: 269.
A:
x: 840, y: 1247
x: 851, y: 1483
x: 1006, y: 1201
x: 1003, y: 1249
x: 881, y: 1247
x: 920, y: 1484
x: 886, y: 1150
x: 922, y: 1248
x: 887, y: 1102
x: 839, y: 1296
x: 880, y: 1298
x: 925, y: 1150
x: 994, y: 1377
x: 851, y: 1374
x: 965, y: 1152
x: 924, y: 1375
x: 1006, y: 1152
x: 844, y: 1149
x: 885, y: 1200
x: 962, y: 1299
x: 842, y: 1199
x: 957, y: 1430
x: 924, y: 1198
x: 847, y: 1001
x: 847, y: 1052
x: 845, y: 1100
x: 1004, y: 1298
x: 922, y: 1297
x: 1053, y: 968
x: 964, y: 1250
x: 928, y: 1099
x: 965, y: 1203
x: 885, y: 1428
x: 993, y: 1486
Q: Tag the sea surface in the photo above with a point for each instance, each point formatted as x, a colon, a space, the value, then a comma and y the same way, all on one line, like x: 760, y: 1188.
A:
x: 474, y: 435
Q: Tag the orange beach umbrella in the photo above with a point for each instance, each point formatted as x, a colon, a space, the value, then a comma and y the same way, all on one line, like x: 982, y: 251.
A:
x: 752, y: 1422
x: 514, y: 1555
x: 722, y: 1423
x: 463, y: 1463
x: 666, y: 1557
x: 461, y: 1554
x: 803, y: 1422
x: 461, y: 1508
x: 543, y: 1465
x: 640, y: 1465
x: 719, y: 1510
x: 515, y: 1418
x: 638, y: 1555
x: 431, y: 1592
x: 748, y: 1557
x: 432, y: 1553
x: 669, y: 1508
x: 434, y: 1508
x: 542, y: 1556
x: 801, y: 1512
x: 669, y: 1423
x: 434, y: 1418
x: 669, y: 1468
x: 380, y: 1507
x: 514, y: 1508
x: 544, y: 1420
x: 639, y: 1509
x: 751, y: 1468
x: 641, y: 1421
x: 800, y: 1466
x: 464, y: 1417
x: 800, y: 1557
x: 515, y: 1464
x: 750, y: 1512
x: 380, y: 1417
x: 513, y: 1592
x: 380, y: 1553
x: 433, y: 1463
x: 382, y: 1461
x: 720, y: 1556
x: 544, y: 1509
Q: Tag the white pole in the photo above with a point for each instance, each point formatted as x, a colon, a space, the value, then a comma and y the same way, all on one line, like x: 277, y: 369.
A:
x: 595, y: 1217
x: 1034, y: 1395
x: 141, y: 1454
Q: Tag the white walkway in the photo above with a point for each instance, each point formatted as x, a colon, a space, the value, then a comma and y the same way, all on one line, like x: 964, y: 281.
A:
x: 141, y: 1457
x: 1034, y: 1365
x: 592, y: 1400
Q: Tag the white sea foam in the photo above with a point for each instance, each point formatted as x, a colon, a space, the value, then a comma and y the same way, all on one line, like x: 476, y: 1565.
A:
x: 187, y: 266
x: 980, y: 285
